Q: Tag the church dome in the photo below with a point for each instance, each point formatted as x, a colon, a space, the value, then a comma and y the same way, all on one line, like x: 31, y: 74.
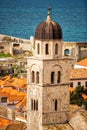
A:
x: 48, y: 29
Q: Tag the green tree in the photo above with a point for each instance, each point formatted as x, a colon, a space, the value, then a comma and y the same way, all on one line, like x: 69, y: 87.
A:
x: 76, y: 96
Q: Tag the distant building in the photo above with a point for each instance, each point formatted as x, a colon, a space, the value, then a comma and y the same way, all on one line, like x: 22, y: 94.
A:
x: 77, y: 50
x: 13, y: 45
x: 7, y: 112
x: 6, y: 66
x: 78, y: 77
x: 17, y: 46
x: 78, y: 74
x: 48, y: 78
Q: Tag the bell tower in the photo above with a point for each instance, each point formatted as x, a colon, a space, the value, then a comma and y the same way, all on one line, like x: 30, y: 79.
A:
x: 48, y: 78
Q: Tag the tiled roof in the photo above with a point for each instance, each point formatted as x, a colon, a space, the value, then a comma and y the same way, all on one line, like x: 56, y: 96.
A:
x: 12, y: 94
x: 4, y: 122
x: 9, y: 88
x: 8, y: 81
x: 82, y: 62
x: 79, y: 73
x: 22, y: 103
x: 84, y: 96
x: 17, y: 82
x: 11, y: 125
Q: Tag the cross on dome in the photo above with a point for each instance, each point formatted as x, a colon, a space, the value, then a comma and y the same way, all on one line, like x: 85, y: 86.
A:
x: 49, y: 10
x: 49, y: 14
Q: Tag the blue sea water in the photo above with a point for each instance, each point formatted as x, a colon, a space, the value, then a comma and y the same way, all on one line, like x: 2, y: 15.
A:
x: 20, y: 17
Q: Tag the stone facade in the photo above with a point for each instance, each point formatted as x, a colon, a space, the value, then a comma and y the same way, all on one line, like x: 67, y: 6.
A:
x: 7, y: 113
x: 13, y: 45
x: 5, y: 47
x: 52, y: 98
x: 77, y: 50
x: 48, y: 80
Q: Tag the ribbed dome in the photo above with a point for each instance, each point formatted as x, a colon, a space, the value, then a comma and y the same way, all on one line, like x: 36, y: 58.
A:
x: 48, y: 29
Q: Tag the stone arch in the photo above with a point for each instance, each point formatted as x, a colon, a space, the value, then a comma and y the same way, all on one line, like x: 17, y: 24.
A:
x: 56, y: 67
x: 36, y: 73
x: 56, y: 74
x: 66, y: 52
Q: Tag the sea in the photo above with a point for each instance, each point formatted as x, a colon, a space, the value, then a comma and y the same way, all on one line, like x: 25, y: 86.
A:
x: 20, y: 18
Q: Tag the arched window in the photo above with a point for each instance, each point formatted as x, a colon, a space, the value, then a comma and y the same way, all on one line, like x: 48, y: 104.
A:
x: 66, y: 52
x: 52, y: 77
x: 32, y: 107
x: 55, y: 105
x: 36, y: 105
x: 56, y: 49
x: 33, y: 76
x: 37, y: 77
x: 59, y: 77
x: 38, y: 48
x: 46, y: 49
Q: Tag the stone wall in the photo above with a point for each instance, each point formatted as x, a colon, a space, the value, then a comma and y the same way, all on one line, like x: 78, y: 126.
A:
x: 77, y: 50
x: 7, y: 112
x: 78, y: 122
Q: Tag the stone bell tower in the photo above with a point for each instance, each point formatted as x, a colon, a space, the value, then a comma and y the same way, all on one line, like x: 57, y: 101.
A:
x: 48, y: 78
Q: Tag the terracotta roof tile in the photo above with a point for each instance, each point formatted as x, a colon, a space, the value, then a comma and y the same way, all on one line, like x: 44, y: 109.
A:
x: 79, y: 73
x: 82, y: 62
x: 7, y: 81
x: 4, y: 122
x: 23, y: 102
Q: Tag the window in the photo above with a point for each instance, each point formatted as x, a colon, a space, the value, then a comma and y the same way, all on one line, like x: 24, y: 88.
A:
x: 52, y: 77
x: 34, y: 104
x: 79, y: 83
x: 46, y: 49
x: 55, y: 105
x: 32, y: 107
x: 37, y: 77
x: 85, y: 84
x: 33, y: 76
x: 56, y: 49
x: 59, y: 75
x: 71, y: 84
x: 3, y: 99
x: 66, y: 52
x: 38, y: 48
